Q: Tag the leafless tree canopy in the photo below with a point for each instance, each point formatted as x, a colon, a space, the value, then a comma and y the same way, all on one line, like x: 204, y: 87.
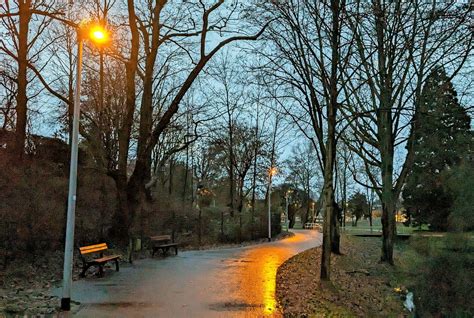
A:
x: 212, y: 94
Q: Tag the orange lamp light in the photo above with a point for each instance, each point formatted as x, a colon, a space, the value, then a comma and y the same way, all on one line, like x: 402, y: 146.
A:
x: 273, y: 171
x: 98, y: 34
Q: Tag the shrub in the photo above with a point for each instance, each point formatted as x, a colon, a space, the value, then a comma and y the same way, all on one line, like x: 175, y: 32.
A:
x: 443, y: 286
x: 33, y: 203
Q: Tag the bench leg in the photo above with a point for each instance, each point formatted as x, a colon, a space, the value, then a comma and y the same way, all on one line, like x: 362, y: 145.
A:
x: 84, y: 270
x: 175, y: 250
x: 101, y: 270
x: 153, y: 251
x: 117, y: 265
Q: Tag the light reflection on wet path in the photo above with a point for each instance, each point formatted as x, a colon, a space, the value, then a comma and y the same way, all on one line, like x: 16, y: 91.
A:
x: 235, y: 282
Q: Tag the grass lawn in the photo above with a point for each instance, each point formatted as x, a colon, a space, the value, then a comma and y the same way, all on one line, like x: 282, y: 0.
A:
x: 363, y: 226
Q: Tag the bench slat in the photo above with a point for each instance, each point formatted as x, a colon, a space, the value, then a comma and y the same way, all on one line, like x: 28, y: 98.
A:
x: 160, y: 238
x: 106, y: 258
x: 167, y: 245
x: 93, y: 248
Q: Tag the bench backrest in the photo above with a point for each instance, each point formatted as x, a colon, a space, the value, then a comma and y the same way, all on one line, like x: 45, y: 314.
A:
x: 160, y: 238
x: 93, y: 248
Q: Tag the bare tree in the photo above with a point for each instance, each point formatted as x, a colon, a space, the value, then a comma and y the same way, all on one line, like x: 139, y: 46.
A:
x: 159, y: 27
x: 397, y: 44
x: 307, y: 49
x: 228, y: 94
x: 23, y: 45
x: 303, y: 173
x: 344, y: 160
x: 8, y: 89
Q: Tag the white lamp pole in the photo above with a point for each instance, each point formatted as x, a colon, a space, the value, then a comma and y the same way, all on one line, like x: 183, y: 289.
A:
x: 271, y: 172
x: 71, y: 202
x: 269, y: 206
x: 286, y: 197
x: 98, y: 35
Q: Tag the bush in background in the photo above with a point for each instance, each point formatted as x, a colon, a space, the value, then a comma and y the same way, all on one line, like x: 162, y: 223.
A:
x: 33, y: 203
x: 443, y: 283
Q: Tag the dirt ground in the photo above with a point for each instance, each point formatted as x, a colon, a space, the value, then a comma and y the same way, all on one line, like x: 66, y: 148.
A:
x: 25, y: 284
x: 360, y: 285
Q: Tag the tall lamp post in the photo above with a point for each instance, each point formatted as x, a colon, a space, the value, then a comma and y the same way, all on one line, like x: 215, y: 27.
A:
x: 271, y: 173
x: 97, y: 34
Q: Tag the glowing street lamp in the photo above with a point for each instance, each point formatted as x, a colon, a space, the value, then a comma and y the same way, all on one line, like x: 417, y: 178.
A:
x: 98, y: 35
x: 271, y: 172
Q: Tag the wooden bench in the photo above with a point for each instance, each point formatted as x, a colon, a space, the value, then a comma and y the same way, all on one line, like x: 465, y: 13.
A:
x: 97, y: 248
x: 312, y: 226
x: 163, y: 243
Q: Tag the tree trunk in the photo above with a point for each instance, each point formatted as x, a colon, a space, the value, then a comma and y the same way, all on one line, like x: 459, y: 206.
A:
x: 21, y: 97
x: 231, y: 186
x: 241, y: 205
x: 344, y: 194
x: 186, y: 172
x: 191, y: 181
x: 230, y: 127
x: 254, y: 193
x: 137, y: 194
x: 308, y: 199
x: 272, y: 162
x: 371, y: 206
x: 170, y: 177
x: 335, y: 230
x: 291, y: 216
x: 387, y: 196
x: 222, y: 226
x: 330, y: 154
x: 254, y: 180
x: 124, y: 133
x: 388, y: 219
x: 328, y: 211
x: 385, y: 138
x: 121, y: 221
x: 200, y: 226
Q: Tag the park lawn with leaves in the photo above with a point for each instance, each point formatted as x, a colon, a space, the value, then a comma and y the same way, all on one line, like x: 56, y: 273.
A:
x: 360, y: 285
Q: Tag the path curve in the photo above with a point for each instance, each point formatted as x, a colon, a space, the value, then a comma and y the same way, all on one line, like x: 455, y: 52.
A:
x: 233, y: 282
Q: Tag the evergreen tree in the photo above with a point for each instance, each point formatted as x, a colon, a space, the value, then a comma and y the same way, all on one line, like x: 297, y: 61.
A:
x: 442, y: 139
x: 358, y: 206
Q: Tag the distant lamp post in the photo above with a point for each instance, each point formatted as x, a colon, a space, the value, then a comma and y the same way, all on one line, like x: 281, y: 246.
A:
x: 287, y: 195
x: 271, y: 172
x: 97, y: 34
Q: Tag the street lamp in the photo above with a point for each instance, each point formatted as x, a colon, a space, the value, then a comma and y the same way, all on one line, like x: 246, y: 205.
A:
x: 271, y: 172
x: 98, y: 35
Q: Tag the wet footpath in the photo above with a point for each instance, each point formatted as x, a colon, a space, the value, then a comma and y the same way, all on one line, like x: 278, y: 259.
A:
x: 232, y: 282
